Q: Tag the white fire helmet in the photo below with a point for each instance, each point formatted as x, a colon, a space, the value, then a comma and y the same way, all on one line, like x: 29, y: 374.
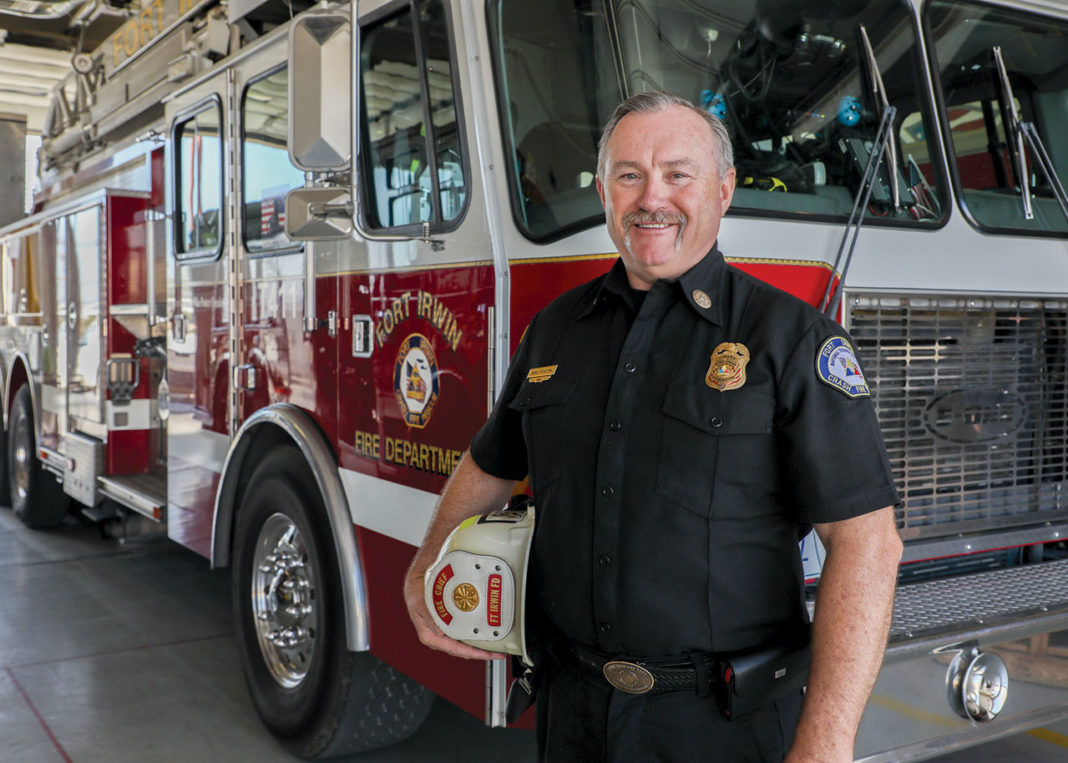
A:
x: 475, y: 591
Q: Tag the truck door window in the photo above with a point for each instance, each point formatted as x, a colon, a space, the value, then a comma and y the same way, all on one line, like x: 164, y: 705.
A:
x: 199, y: 184
x: 413, y: 159
x: 785, y: 76
x: 1036, y: 59
x: 266, y: 174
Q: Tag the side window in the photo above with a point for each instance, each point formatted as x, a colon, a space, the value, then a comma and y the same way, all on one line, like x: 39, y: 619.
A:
x: 413, y: 159
x: 977, y: 109
x: 267, y: 173
x: 199, y: 185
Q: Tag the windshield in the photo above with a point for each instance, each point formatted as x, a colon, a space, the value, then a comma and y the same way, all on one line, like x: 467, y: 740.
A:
x: 787, y: 77
x: 1035, y: 52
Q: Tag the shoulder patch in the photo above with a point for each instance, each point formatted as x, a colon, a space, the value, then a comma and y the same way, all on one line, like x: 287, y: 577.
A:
x: 837, y: 366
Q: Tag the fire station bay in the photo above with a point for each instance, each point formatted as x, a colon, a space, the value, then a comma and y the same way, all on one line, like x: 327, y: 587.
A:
x: 264, y: 266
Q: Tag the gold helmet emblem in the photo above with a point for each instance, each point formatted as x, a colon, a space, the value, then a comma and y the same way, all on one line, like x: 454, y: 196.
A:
x: 727, y: 369
x: 465, y: 597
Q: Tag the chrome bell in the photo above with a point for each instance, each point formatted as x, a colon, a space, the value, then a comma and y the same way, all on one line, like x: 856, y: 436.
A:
x: 977, y: 684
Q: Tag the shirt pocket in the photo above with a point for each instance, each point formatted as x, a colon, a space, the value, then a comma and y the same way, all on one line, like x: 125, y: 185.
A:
x: 698, y: 423
x: 542, y: 405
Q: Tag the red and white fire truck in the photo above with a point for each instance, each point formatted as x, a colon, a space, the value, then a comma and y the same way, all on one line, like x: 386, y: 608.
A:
x: 282, y: 253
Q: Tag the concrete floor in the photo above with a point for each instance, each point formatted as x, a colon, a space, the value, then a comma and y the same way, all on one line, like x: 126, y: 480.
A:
x: 125, y: 652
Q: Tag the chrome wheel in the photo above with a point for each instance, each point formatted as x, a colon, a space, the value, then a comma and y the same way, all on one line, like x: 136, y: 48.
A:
x: 318, y: 698
x: 21, y: 456
x: 36, y: 497
x: 283, y: 600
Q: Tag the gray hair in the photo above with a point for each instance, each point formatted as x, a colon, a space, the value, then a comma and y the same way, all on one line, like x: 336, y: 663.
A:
x: 658, y: 100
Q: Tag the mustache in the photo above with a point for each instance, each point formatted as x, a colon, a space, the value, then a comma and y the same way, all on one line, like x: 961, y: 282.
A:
x: 660, y: 217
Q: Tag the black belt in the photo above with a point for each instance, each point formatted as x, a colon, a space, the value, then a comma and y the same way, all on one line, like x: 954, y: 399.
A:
x: 643, y: 677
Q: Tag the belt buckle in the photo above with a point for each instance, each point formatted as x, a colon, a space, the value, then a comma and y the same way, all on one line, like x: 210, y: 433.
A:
x: 628, y: 677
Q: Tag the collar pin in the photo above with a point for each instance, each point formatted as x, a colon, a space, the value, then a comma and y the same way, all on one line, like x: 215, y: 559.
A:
x: 701, y: 299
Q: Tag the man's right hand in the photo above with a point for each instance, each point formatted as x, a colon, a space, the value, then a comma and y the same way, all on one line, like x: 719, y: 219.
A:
x: 428, y: 631
x: 468, y: 492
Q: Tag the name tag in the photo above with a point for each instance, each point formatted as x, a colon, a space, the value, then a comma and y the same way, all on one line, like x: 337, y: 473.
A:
x: 540, y: 374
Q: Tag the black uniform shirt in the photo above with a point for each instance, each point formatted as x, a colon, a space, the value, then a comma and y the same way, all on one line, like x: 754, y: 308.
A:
x: 669, y: 511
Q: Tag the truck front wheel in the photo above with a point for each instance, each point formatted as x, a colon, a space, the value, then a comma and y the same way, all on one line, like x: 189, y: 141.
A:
x: 318, y: 698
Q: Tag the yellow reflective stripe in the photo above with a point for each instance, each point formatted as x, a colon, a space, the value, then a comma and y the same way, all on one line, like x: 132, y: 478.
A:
x: 469, y: 521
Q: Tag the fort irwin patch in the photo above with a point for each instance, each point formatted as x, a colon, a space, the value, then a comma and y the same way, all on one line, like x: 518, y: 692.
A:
x: 836, y: 365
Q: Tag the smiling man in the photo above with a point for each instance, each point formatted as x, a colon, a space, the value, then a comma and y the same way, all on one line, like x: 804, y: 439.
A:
x: 683, y: 444
x: 662, y: 191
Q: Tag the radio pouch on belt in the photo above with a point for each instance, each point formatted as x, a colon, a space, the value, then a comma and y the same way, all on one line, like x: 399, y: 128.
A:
x: 751, y: 680
x: 520, y: 694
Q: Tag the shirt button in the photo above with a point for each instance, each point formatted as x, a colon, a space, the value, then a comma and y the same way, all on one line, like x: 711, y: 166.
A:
x: 629, y: 367
x: 605, y: 560
x: 606, y: 627
x: 607, y: 491
x: 716, y: 421
x: 615, y: 426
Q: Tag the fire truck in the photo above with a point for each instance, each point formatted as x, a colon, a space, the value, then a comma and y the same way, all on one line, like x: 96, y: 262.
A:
x: 282, y: 252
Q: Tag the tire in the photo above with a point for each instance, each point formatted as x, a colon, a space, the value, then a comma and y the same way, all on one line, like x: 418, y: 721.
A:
x: 317, y: 698
x: 5, y: 484
x: 36, y: 497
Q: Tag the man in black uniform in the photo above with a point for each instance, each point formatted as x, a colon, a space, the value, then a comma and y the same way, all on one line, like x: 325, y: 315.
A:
x: 683, y: 425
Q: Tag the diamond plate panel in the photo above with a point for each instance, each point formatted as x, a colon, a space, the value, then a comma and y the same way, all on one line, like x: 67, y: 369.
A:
x: 989, y: 598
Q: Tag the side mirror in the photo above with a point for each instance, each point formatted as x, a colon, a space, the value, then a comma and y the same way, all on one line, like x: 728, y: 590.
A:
x: 318, y: 214
x: 320, y: 92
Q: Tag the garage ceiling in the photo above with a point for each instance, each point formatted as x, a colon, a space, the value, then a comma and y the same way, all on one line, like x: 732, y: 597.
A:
x: 38, y: 39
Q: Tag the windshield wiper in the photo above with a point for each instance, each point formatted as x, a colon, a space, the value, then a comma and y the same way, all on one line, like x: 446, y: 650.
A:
x: 1020, y: 131
x: 884, y: 144
x: 878, y: 89
x: 883, y: 138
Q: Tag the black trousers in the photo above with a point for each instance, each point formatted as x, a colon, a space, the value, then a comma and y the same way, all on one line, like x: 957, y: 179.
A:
x: 582, y: 719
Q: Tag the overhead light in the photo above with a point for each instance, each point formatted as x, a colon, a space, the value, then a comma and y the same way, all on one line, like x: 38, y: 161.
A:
x: 41, y: 10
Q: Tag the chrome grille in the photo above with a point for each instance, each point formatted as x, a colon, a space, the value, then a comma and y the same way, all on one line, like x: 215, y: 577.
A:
x: 972, y: 397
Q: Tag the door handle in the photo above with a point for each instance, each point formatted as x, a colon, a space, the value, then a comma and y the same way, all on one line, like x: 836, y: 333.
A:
x: 178, y: 327
x: 245, y: 377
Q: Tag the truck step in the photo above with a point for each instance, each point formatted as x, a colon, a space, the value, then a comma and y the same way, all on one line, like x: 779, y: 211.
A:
x: 986, y: 600
x: 144, y: 493
x: 100, y: 513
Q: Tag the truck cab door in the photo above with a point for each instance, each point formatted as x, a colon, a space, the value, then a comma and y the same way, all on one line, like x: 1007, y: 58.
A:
x: 421, y: 300
x: 282, y: 281
x: 198, y: 308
